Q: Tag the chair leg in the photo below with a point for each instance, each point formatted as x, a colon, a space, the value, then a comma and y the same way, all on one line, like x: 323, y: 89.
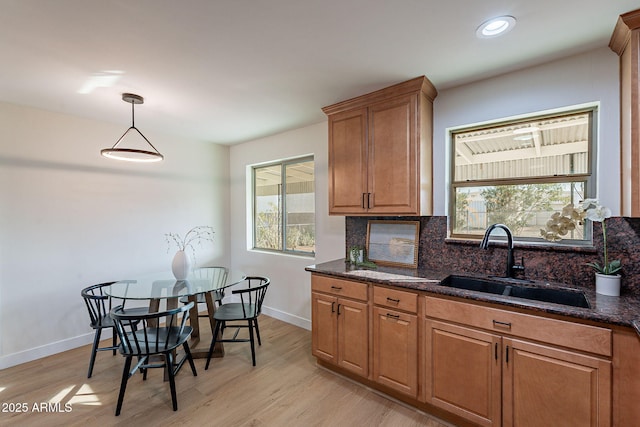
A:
x: 172, y: 380
x: 187, y: 351
x: 123, y: 383
x: 213, y: 343
x: 115, y: 339
x: 253, y: 346
x: 94, y: 350
x: 255, y: 322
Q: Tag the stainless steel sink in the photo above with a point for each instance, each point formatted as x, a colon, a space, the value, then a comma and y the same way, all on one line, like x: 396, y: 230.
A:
x: 508, y: 288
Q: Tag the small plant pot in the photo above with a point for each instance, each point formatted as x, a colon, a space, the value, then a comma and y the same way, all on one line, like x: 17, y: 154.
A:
x: 607, y: 284
x: 356, y: 256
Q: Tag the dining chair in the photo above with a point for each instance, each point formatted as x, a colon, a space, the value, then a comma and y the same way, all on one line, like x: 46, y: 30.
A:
x: 218, y: 275
x: 246, y: 310
x: 99, y: 305
x: 146, y: 335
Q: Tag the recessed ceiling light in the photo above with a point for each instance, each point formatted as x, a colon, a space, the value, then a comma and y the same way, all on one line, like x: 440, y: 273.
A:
x: 495, y: 27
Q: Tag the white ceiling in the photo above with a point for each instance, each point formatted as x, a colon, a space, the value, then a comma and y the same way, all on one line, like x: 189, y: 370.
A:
x: 228, y: 71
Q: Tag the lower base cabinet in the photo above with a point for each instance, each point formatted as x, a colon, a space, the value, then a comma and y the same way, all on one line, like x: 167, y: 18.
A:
x: 493, y: 380
x: 476, y: 364
x: 395, y: 350
x: 546, y: 386
x: 463, y: 372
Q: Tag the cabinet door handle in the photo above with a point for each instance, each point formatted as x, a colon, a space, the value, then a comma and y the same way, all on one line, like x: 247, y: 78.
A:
x: 368, y: 200
x: 496, y: 351
x: 393, y: 316
x: 336, y: 288
x: 363, y: 196
x: 393, y: 300
x: 504, y: 324
x: 333, y: 307
x: 507, y: 355
x: 339, y: 309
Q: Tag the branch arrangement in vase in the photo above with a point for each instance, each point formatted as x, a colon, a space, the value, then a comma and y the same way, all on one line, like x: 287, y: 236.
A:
x: 196, y: 235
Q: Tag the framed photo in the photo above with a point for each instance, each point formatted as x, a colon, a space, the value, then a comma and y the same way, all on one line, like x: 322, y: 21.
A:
x: 393, y: 242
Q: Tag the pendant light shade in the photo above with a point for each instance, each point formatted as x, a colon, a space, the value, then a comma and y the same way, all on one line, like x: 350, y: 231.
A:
x: 132, y: 154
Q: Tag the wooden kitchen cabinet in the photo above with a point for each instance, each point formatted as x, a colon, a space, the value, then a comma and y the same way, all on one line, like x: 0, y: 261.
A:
x: 380, y: 151
x: 625, y: 41
x: 464, y: 371
x: 547, y: 386
x: 501, y: 376
x: 340, y: 324
x: 395, y: 340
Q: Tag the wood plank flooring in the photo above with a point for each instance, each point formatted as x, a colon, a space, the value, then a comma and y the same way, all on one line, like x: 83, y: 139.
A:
x: 286, y: 389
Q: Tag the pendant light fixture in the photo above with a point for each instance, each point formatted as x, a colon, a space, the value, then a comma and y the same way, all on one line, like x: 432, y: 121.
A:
x: 132, y: 154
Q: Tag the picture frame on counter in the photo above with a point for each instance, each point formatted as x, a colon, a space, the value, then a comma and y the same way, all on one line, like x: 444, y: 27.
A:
x: 393, y: 243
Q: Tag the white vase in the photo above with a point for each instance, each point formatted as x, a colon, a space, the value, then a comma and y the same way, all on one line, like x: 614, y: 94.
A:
x: 607, y: 284
x: 181, y: 265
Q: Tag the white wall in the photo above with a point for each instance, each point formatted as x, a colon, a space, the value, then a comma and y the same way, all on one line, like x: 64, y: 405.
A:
x: 289, y: 296
x: 584, y: 78
x: 70, y: 218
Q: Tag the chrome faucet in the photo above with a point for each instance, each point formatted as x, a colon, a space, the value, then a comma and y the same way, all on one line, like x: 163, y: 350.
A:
x: 511, y: 265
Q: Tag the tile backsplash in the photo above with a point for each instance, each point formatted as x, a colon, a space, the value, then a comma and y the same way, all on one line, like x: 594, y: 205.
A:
x: 562, y: 265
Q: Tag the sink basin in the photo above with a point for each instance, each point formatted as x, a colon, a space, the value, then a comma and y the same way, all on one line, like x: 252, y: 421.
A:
x: 501, y: 287
x: 473, y: 284
x: 557, y: 296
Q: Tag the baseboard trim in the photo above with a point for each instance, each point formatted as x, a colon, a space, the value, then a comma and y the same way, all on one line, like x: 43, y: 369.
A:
x: 35, y: 353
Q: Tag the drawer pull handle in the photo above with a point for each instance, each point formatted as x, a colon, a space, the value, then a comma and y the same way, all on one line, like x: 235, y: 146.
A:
x: 336, y: 288
x: 393, y: 316
x: 393, y: 300
x: 504, y: 324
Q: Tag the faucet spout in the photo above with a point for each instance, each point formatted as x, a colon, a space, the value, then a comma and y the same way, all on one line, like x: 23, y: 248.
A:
x: 485, y: 245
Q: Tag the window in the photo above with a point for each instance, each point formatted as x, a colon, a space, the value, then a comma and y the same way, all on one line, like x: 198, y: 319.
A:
x: 519, y: 173
x: 284, y: 207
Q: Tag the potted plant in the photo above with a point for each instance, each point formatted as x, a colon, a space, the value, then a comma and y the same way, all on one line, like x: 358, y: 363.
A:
x: 181, y: 264
x: 607, y: 274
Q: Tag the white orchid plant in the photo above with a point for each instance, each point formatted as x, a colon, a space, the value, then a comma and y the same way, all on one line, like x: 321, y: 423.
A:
x: 563, y: 222
x: 194, y: 236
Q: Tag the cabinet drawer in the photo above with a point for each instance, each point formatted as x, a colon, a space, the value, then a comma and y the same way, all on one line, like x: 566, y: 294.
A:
x: 558, y: 332
x: 393, y: 298
x: 339, y: 287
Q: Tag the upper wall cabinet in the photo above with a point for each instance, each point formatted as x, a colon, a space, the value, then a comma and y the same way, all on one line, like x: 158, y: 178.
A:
x: 380, y: 151
x: 625, y: 41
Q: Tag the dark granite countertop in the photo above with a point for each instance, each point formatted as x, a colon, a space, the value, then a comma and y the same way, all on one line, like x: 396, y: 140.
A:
x: 622, y: 311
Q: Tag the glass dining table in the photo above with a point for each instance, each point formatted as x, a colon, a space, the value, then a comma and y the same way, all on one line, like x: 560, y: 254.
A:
x: 200, y: 286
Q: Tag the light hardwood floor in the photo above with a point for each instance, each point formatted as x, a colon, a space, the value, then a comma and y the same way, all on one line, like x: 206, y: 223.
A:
x: 286, y: 388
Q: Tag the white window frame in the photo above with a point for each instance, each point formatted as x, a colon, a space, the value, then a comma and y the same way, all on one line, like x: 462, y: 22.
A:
x: 282, y: 163
x: 589, y: 177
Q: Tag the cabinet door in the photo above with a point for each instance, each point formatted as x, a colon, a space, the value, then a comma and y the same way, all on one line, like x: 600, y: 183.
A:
x: 463, y: 372
x: 545, y: 386
x: 393, y: 156
x: 348, y: 162
x: 324, y: 326
x: 395, y: 350
x: 353, y: 336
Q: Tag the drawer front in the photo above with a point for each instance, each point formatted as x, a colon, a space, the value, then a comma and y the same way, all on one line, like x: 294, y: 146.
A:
x: 339, y: 287
x: 393, y: 298
x: 577, y: 336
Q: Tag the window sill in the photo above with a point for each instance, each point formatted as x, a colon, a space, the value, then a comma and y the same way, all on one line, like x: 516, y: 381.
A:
x: 534, y: 246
